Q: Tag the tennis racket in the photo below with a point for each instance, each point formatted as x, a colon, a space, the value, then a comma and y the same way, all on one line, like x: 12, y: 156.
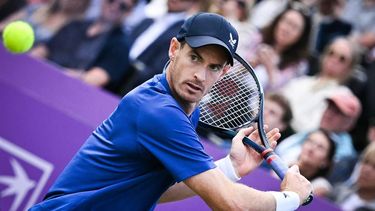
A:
x: 236, y: 101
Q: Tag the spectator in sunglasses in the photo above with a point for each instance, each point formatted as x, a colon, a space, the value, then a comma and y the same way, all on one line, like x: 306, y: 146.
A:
x: 94, y: 51
x: 307, y: 94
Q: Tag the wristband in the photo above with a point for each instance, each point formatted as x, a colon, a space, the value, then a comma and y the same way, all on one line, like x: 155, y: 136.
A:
x: 226, y: 166
x: 286, y: 200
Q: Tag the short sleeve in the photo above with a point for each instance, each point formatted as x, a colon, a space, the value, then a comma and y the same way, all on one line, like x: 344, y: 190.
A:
x: 170, y: 136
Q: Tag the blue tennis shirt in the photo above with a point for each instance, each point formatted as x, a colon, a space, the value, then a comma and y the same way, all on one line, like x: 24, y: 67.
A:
x: 146, y: 145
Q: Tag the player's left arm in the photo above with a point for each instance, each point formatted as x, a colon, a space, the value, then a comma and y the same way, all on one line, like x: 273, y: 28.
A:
x: 244, y: 159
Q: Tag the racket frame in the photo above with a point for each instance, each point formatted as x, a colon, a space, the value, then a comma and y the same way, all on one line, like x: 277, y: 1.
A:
x: 272, y: 159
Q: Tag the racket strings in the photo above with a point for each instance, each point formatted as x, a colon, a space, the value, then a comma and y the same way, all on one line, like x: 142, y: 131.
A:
x: 233, y: 102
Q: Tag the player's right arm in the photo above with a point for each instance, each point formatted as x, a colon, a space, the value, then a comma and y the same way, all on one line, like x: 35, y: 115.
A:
x: 222, y: 194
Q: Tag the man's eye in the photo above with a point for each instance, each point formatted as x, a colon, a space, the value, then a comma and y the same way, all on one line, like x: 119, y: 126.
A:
x: 215, y: 68
x: 194, y: 58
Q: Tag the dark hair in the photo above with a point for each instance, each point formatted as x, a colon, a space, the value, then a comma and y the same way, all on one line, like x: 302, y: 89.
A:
x: 284, y: 104
x: 324, y: 171
x: 297, y: 51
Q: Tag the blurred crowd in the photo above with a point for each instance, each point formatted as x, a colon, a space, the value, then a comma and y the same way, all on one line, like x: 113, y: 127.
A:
x: 314, y: 58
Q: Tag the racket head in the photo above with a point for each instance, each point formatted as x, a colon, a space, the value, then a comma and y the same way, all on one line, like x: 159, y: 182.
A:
x: 234, y: 101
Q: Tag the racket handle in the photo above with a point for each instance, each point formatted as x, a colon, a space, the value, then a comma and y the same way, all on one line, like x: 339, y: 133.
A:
x: 276, y: 163
x: 280, y: 169
x: 271, y: 158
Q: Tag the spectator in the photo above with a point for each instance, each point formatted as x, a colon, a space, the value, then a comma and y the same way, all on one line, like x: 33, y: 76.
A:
x: 361, y: 14
x: 95, y: 51
x: 150, y: 40
x: 329, y: 24
x: 338, y: 118
x: 307, y: 94
x: 370, y: 132
x: 47, y: 18
x: 316, y: 160
x: 358, y: 193
x: 361, y: 84
x: 279, y: 53
x: 278, y: 114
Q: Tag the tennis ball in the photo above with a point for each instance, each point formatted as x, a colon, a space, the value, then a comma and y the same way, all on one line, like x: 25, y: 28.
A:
x: 18, y: 37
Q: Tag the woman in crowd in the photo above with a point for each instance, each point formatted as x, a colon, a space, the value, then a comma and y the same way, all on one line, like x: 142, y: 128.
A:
x: 358, y: 193
x: 315, y: 160
x: 279, y: 53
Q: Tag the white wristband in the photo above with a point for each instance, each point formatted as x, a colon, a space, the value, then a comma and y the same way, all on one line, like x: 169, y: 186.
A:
x: 286, y: 200
x: 226, y: 166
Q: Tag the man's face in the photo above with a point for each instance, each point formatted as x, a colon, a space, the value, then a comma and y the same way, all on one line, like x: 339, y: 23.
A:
x: 192, y: 72
x: 334, y: 120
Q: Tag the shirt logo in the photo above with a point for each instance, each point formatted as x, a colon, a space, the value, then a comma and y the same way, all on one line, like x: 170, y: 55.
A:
x: 232, y: 41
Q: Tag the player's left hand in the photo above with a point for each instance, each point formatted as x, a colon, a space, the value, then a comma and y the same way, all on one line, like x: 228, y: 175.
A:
x: 243, y: 157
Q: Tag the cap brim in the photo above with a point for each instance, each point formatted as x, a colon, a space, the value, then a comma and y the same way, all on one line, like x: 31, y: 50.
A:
x: 199, y: 41
x: 350, y: 112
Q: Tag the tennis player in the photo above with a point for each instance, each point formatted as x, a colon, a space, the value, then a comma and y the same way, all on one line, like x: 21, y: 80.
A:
x: 148, y: 151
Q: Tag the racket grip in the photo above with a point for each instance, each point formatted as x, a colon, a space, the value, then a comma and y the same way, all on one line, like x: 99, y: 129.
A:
x: 280, y: 169
x: 276, y: 163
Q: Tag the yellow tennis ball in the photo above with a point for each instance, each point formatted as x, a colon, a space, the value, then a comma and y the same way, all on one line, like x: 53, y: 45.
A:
x: 18, y: 37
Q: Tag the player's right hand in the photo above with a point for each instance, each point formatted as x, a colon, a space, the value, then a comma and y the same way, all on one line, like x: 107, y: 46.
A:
x: 294, y: 181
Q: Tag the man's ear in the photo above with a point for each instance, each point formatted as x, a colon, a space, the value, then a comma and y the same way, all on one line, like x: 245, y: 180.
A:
x: 174, y: 46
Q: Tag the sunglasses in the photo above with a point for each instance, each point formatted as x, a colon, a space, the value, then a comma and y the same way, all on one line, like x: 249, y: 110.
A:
x: 122, y: 5
x: 342, y: 58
